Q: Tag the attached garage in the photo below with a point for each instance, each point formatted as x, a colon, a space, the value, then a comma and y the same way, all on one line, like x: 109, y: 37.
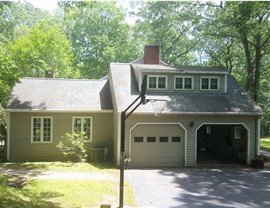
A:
x: 157, y: 145
x: 222, y: 144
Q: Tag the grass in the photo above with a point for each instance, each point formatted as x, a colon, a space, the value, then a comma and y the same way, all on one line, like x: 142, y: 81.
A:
x: 265, y: 144
x: 62, y: 166
x: 45, y: 193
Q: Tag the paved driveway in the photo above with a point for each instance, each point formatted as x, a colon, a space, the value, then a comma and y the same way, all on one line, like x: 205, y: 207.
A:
x: 239, y: 187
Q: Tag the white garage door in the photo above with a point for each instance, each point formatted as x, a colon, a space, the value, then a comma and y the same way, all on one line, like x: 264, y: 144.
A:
x: 157, y: 145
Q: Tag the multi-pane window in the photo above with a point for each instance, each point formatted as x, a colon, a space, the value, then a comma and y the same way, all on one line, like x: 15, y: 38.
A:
x: 41, y: 129
x: 157, y: 82
x: 209, y: 83
x: 83, y: 124
x: 183, y: 83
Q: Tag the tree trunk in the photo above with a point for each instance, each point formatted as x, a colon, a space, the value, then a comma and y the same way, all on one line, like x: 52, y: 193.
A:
x: 250, y: 69
x: 257, y: 67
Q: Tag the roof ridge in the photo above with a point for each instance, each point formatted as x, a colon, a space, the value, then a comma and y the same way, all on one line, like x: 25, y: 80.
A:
x: 63, y: 79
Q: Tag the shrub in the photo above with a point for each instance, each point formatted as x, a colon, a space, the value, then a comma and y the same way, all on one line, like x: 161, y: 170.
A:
x: 73, y: 144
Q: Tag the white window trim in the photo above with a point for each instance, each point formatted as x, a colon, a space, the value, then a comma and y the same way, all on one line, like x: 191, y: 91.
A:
x: 41, y: 138
x: 209, y: 83
x: 157, y: 76
x: 91, y: 126
x: 192, y: 82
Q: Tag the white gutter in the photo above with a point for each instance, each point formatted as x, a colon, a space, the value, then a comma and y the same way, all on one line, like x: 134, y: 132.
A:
x: 57, y: 111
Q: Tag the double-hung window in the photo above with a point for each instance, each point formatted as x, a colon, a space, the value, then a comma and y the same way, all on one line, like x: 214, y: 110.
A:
x: 183, y: 83
x: 157, y: 82
x: 209, y: 83
x: 41, y: 129
x: 83, y: 124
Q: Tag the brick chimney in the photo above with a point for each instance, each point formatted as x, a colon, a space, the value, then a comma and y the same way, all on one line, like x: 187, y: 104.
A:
x: 151, y: 54
x: 49, y: 74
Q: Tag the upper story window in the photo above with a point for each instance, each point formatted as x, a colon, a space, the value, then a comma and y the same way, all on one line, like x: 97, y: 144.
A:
x: 209, y: 83
x: 83, y: 124
x: 157, y: 82
x: 183, y: 83
x: 41, y: 129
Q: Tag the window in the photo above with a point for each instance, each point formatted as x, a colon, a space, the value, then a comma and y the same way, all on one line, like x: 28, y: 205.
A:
x: 157, y: 82
x: 163, y: 139
x: 83, y: 124
x: 237, y: 132
x: 138, y: 139
x: 209, y: 83
x: 176, y: 139
x: 41, y: 128
x: 183, y: 83
x: 151, y: 139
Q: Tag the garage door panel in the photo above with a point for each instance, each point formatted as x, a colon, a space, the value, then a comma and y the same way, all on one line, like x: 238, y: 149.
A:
x: 161, y: 153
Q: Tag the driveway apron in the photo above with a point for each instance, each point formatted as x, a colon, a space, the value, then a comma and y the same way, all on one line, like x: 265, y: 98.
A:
x: 240, y: 187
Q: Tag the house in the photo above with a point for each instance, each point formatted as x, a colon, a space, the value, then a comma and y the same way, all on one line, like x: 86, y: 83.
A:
x: 206, y: 114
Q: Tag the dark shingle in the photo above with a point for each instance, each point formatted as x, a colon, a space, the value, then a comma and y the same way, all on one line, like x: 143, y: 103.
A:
x: 60, y: 94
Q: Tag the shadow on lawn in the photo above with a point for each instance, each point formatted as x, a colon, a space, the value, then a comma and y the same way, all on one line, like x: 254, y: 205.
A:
x: 219, y: 187
x: 12, y: 197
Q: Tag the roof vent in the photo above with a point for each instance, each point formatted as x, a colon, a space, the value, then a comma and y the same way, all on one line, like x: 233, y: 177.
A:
x: 151, y: 54
x: 49, y: 74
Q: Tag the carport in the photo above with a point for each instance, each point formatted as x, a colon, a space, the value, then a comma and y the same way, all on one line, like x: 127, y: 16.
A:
x: 222, y: 144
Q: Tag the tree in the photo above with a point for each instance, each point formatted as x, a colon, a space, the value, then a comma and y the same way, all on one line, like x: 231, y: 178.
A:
x: 172, y: 26
x: 73, y: 144
x: 44, y: 47
x: 99, y: 35
x: 246, y: 24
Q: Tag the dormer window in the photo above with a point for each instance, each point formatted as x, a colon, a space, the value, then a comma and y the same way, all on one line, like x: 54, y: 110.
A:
x: 183, y: 83
x: 209, y: 83
x: 157, y: 82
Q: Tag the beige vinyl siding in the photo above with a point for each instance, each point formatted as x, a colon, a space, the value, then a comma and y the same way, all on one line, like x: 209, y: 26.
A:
x: 191, y: 143
x: 21, y: 148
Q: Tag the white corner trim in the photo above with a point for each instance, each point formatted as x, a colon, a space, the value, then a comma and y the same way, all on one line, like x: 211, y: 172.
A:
x: 118, y: 146
x: 225, y: 83
x: 258, y: 136
x: 8, y: 136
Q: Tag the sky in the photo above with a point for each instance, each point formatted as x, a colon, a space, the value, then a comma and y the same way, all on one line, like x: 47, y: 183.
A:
x: 50, y: 5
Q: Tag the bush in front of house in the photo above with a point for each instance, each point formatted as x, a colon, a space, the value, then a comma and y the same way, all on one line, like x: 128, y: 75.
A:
x: 73, y: 144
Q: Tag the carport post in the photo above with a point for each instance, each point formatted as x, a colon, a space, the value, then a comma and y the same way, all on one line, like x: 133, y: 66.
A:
x: 122, y: 144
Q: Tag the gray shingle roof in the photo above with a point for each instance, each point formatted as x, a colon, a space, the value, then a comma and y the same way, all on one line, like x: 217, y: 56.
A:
x: 235, y: 101
x: 60, y: 94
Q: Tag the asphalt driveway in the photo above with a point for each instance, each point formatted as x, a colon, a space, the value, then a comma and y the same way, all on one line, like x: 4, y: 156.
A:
x: 240, y: 187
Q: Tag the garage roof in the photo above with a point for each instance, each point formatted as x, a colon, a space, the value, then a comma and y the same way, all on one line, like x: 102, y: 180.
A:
x: 235, y: 101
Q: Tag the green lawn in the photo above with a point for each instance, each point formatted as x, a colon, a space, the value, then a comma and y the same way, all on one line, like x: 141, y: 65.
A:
x: 265, y: 144
x: 45, y: 193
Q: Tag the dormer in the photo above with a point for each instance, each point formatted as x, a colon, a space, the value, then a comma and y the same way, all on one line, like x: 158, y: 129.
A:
x: 164, y: 78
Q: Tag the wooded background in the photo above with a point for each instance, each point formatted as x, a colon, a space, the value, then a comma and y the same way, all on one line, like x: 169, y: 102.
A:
x: 80, y: 39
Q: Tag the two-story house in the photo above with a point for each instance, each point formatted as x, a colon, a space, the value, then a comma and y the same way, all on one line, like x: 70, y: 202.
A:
x: 204, y: 113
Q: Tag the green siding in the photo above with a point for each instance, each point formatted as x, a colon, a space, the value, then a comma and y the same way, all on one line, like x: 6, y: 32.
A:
x: 21, y: 148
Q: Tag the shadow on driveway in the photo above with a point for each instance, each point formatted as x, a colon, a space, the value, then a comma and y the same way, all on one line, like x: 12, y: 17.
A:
x: 201, y: 187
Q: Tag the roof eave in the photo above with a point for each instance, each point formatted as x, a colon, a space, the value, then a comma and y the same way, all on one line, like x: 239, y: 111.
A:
x: 58, y: 111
